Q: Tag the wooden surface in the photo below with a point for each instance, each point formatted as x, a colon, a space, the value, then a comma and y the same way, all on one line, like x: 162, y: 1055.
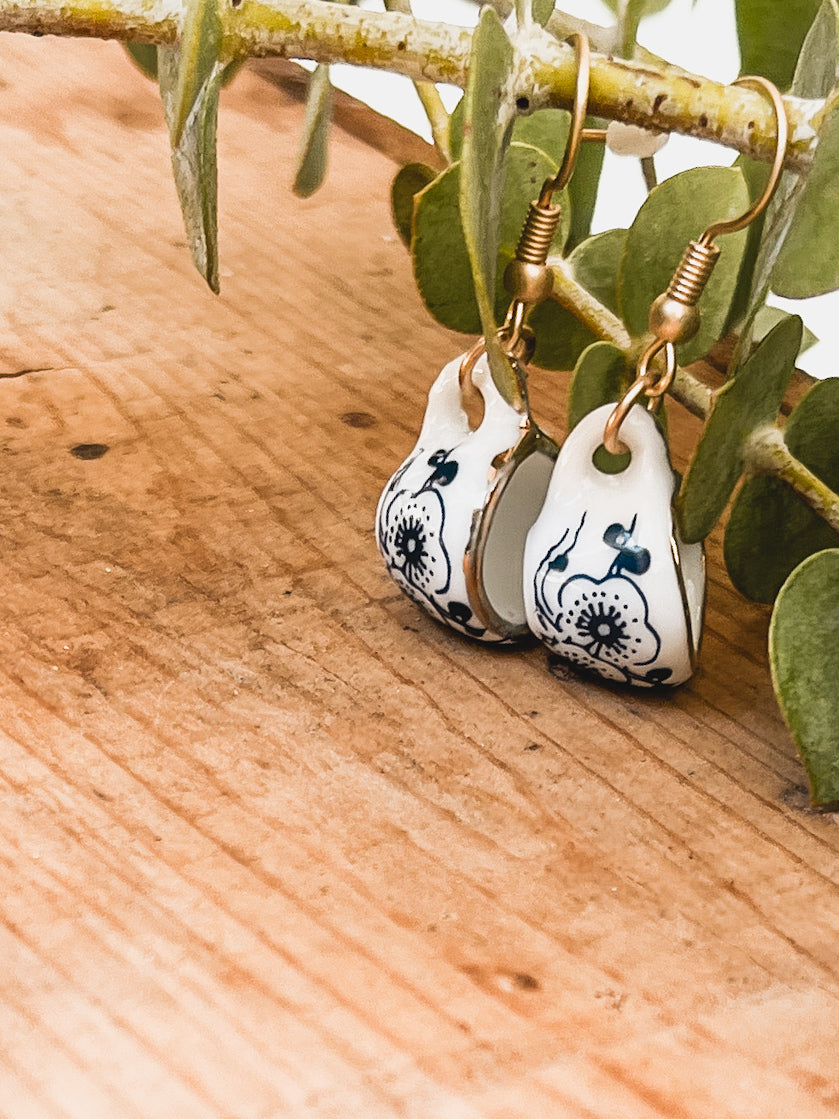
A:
x: 274, y: 843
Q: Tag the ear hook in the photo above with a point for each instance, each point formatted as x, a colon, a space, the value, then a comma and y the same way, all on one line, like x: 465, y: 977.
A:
x: 527, y: 278
x: 578, y: 118
x: 782, y: 139
x: 674, y: 316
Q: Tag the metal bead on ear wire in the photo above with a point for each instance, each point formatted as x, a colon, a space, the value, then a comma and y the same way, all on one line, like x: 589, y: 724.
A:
x: 674, y: 315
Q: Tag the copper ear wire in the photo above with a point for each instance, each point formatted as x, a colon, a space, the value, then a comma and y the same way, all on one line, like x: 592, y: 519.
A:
x: 781, y: 142
x: 528, y: 278
x: 647, y: 383
x: 578, y: 117
x: 674, y: 315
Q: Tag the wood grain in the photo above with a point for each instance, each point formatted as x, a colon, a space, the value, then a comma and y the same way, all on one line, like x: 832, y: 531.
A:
x: 274, y: 842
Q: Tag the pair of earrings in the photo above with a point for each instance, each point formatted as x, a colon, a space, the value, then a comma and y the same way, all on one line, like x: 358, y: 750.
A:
x: 498, y: 533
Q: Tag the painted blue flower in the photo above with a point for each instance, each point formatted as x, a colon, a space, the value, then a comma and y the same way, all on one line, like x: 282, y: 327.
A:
x: 410, y: 529
x: 410, y: 537
x: 604, y: 624
x: 601, y: 624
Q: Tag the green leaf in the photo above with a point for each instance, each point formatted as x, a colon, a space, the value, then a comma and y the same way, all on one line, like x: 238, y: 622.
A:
x: 596, y: 262
x: 809, y: 260
x: 771, y: 35
x: 409, y: 181
x: 767, y: 318
x: 143, y: 55
x: 488, y: 114
x: 804, y: 658
x: 811, y: 431
x: 231, y: 69
x: 546, y: 130
x: 442, y: 267
x: 746, y: 402
x: 456, y: 130
x: 673, y: 214
x: 631, y: 13
x: 311, y: 160
x: 814, y: 77
x: 199, y: 48
x: 194, y: 160
x: 749, y: 293
x: 599, y: 378
x: 584, y: 184
x: 543, y: 10
x: 560, y: 337
x: 770, y: 530
x: 650, y: 6
x: 489, y: 111
x: 815, y: 72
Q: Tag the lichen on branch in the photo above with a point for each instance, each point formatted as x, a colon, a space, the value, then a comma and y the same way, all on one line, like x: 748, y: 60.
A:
x: 634, y: 92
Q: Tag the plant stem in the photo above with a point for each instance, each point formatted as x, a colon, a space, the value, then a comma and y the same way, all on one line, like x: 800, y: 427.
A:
x: 767, y: 453
x: 429, y: 97
x: 649, y: 172
x: 438, y: 117
x: 691, y: 393
x: 571, y: 295
x: 524, y: 16
x: 634, y: 92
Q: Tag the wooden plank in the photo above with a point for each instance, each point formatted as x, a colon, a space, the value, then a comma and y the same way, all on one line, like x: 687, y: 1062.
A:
x: 274, y: 842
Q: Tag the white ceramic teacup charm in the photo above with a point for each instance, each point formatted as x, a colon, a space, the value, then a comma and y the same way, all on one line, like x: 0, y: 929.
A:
x: 608, y: 584
x: 451, y: 523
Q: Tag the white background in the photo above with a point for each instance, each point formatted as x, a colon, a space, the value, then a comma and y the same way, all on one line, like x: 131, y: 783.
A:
x: 698, y: 35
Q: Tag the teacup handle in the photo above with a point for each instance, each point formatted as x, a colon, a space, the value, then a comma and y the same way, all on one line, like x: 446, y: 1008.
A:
x: 648, y: 470
x: 446, y: 420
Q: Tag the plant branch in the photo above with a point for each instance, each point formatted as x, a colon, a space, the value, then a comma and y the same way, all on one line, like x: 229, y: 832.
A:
x: 633, y: 92
x: 668, y: 100
x: 649, y: 172
x: 767, y: 453
x: 691, y: 393
x: 438, y: 117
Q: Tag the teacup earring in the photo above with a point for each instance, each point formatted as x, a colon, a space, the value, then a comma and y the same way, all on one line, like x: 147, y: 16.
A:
x: 609, y: 586
x: 452, y: 521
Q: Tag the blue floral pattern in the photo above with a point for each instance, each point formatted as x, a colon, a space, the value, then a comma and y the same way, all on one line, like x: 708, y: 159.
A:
x: 410, y: 531
x: 600, y: 624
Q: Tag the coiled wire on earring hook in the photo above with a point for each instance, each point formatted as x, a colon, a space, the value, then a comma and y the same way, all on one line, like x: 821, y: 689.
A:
x: 527, y: 278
